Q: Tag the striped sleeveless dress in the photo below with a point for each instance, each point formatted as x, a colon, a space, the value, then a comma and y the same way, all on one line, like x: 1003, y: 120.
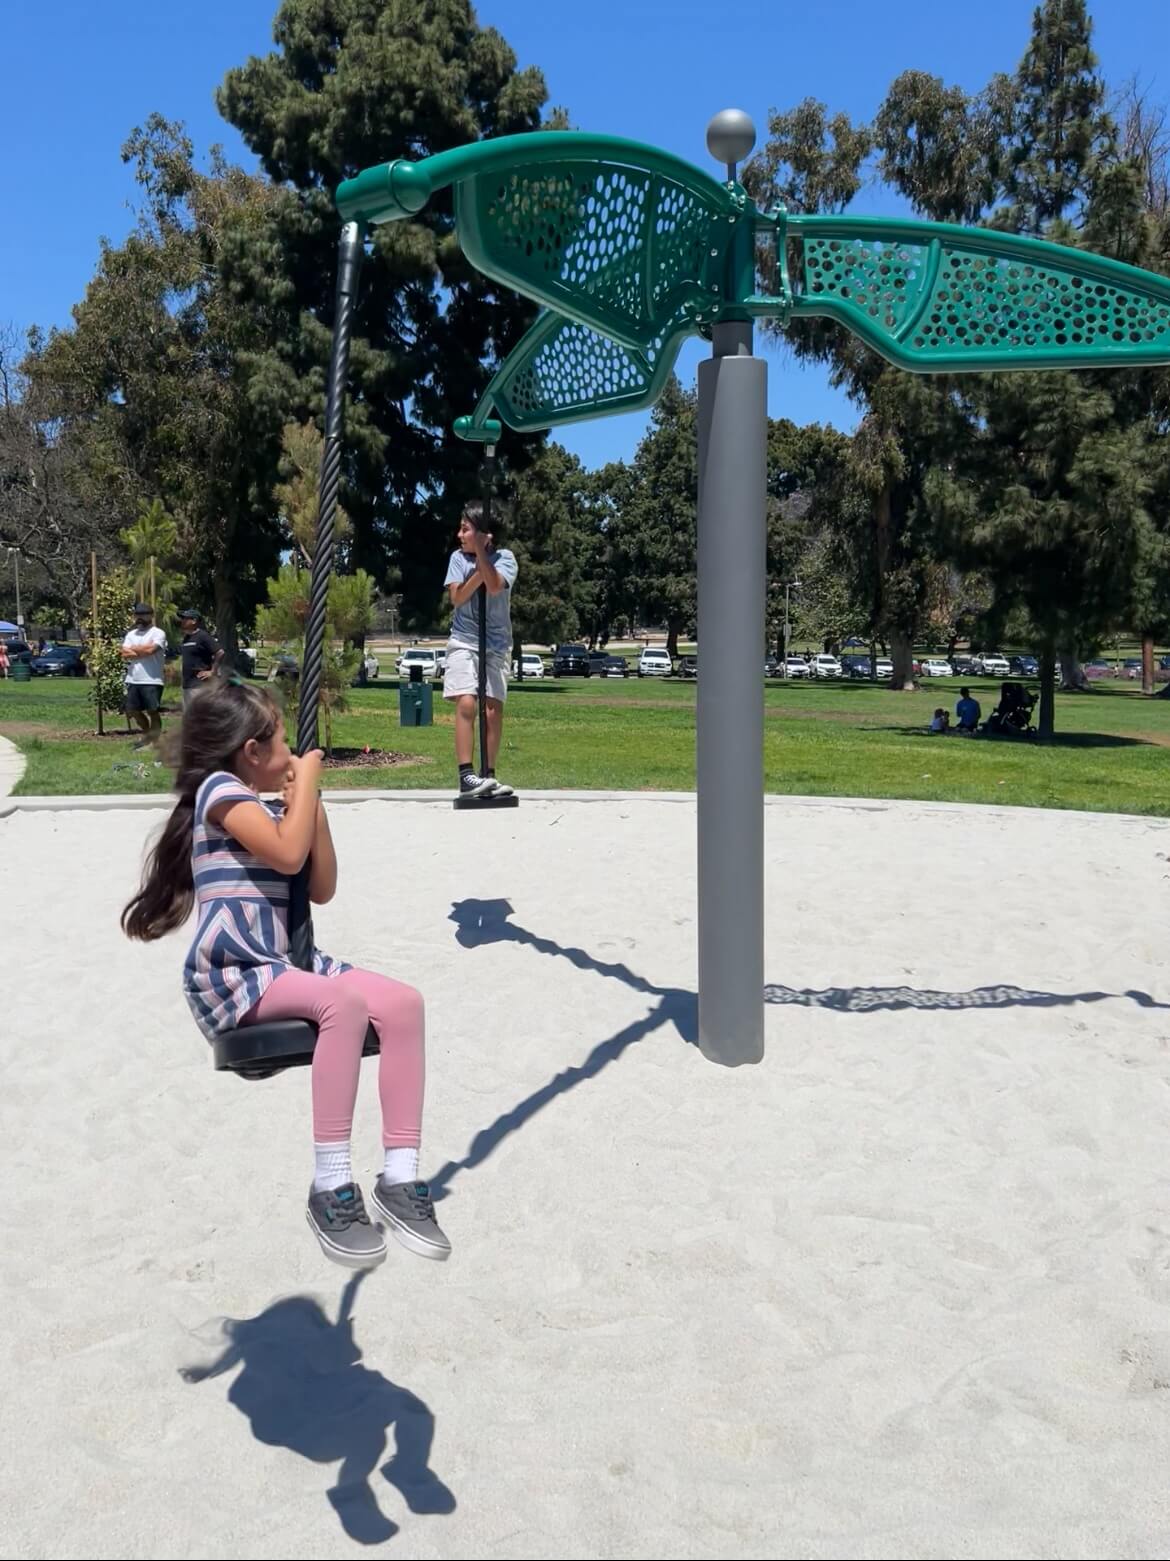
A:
x: 241, y: 939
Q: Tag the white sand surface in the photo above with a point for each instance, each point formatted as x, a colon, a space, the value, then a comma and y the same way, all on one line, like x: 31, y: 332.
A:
x: 901, y: 1290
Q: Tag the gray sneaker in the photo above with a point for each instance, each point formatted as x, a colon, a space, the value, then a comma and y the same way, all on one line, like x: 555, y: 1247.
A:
x: 338, y: 1219
x: 408, y: 1211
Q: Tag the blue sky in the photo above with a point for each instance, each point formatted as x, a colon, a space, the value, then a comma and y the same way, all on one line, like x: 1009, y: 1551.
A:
x: 654, y: 70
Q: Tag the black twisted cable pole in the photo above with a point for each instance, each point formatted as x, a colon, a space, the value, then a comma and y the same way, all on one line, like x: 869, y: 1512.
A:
x: 349, y: 265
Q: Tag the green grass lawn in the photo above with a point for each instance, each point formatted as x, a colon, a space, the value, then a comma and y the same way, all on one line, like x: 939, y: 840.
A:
x: 1112, y: 753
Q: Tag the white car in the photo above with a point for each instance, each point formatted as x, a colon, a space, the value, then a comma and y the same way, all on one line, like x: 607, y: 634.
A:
x: 932, y: 667
x: 795, y: 667
x: 885, y: 667
x: 826, y: 666
x: 655, y: 662
x: 994, y: 665
x: 431, y: 661
x: 533, y: 666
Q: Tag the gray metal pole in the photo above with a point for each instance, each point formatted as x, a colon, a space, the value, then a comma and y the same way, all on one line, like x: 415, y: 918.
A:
x: 730, y: 712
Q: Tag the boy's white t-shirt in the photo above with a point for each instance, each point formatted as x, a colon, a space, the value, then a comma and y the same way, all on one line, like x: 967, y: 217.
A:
x: 146, y: 669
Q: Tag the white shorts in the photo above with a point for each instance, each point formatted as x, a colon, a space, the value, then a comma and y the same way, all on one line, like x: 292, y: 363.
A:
x: 461, y: 675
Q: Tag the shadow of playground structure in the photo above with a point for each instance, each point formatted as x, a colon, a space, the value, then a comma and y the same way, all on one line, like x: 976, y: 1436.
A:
x: 480, y: 922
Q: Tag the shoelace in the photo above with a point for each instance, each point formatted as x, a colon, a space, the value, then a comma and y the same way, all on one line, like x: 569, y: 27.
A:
x: 421, y: 1203
x: 350, y: 1209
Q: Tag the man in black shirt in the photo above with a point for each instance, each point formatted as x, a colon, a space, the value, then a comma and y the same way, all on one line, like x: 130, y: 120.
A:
x: 200, y: 654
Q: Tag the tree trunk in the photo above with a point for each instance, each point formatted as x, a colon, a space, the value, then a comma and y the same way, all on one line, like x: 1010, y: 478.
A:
x: 518, y: 657
x: 1072, y: 674
x: 225, y: 614
x: 902, y: 655
x: 672, y: 640
x: 1147, y: 663
x: 1047, y: 720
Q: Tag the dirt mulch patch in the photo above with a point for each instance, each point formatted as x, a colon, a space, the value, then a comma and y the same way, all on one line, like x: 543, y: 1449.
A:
x: 371, y: 759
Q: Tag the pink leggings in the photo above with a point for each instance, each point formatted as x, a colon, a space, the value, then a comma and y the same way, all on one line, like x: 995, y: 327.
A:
x: 341, y: 1007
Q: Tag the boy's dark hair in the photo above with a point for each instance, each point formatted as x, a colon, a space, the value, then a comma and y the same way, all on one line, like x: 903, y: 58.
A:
x: 473, y: 513
x: 964, y: 693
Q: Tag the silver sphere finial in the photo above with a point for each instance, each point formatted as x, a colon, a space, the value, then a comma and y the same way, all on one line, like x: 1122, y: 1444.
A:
x: 730, y: 137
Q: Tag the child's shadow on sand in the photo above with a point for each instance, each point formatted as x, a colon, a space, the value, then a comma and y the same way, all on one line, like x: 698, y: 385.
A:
x: 302, y: 1387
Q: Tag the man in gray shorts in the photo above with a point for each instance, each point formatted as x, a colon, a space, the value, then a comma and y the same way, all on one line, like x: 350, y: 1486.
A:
x: 475, y: 562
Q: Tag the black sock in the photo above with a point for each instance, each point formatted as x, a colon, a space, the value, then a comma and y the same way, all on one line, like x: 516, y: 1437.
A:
x: 464, y: 769
x: 490, y: 773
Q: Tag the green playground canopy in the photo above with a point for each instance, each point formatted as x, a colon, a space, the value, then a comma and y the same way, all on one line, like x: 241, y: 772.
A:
x: 631, y: 250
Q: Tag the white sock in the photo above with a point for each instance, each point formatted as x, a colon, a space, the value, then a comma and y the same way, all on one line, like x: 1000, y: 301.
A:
x: 334, y: 1167
x: 401, y: 1165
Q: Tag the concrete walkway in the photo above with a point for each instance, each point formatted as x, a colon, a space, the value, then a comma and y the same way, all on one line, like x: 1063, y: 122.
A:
x: 11, y: 766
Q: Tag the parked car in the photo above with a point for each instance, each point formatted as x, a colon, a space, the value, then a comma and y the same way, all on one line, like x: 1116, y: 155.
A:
x: 533, y: 666
x: 571, y: 661
x: 826, y: 666
x: 885, y: 668
x: 604, y: 665
x: 1131, y: 668
x: 773, y: 667
x: 797, y: 667
x: 1099, y: 668
x: 935, y: 667
x: 856, y: 667
x: 993, y: 665
x: 422, y: 656
x: 284, y: 668
x: 63, y: 661
x: 1024, y: 666
x: 965, y: 666
x: 17, y: 649
x: 688, y: 667
x: 655, y: 662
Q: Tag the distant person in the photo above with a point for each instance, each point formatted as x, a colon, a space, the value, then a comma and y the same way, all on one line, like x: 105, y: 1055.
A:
x: 200, y: 654
x: 968, y: 711
x: 940, y: 722
x: 144, y: 651
x: 3, y: 659
x: 475, y: 562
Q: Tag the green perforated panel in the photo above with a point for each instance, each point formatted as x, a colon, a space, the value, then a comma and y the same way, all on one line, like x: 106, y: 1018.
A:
x: 957, y: 299
x: 619, y: 249
x: 562, y: 372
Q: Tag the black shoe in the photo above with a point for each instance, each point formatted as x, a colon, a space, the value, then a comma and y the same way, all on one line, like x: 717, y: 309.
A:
x: 473, y: 785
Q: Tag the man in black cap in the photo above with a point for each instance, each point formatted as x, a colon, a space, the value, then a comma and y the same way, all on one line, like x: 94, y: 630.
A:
x: 199, y: 651
x: 144, y: 651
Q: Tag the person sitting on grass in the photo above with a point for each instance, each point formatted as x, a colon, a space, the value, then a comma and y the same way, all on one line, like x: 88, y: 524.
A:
x: 968, y: 712
x: 941, y: 722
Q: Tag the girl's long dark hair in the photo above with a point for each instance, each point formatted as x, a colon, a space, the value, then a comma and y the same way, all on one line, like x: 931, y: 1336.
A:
x: 216, y: 725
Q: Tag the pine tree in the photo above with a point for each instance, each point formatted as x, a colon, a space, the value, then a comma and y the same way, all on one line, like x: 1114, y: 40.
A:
x: 349, y: 84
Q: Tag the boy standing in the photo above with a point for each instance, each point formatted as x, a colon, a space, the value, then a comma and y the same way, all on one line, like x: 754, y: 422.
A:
x: 475, y: 562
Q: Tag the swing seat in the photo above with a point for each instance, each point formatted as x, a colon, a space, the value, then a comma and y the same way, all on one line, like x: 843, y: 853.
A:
x: 257, y: 1051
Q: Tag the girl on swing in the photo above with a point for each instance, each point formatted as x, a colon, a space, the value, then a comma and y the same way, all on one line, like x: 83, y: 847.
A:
x: 232, y: 858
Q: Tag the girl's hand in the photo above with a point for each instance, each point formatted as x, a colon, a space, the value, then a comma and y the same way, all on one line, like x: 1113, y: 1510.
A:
x: 303, y: 771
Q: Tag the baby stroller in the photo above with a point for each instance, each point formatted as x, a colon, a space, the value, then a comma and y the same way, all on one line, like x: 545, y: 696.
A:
x: 1012, y: 717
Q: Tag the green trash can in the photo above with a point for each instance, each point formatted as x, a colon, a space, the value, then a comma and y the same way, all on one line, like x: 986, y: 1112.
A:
x: 415, y: 703
x: 20, y: 672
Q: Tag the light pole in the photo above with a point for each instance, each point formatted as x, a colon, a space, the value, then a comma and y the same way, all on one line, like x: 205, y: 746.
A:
x: 789, y: 587
x: 14, y: 555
